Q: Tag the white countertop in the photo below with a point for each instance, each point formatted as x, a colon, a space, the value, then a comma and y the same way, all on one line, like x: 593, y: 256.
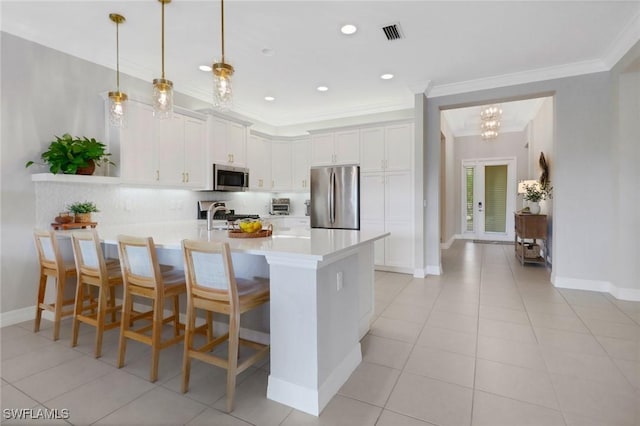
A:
x: 310, y: 244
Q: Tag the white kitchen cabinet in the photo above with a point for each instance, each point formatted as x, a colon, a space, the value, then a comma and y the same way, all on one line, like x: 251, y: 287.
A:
x: 167, y: 152
x: 386, y: 148
x: 259, y: 163
x: 281, y: 171
x: 386, y: 205
x: 335, y: 148
x: 228, y: 142
x: 136, y: 144
x: 301, y: 156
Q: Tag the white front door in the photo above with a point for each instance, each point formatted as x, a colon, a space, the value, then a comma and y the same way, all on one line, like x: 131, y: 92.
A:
x: 488, y: 198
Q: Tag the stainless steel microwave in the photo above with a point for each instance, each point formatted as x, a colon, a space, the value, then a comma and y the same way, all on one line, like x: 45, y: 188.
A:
x: 228, y: 178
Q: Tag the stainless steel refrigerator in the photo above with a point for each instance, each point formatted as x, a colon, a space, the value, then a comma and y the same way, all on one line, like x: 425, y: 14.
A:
x: 335, y: 197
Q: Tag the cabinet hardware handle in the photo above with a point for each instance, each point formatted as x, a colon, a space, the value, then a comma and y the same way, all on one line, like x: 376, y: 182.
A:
x: 273, y: 183
x: 382, y: 164
x: 187, y: 177
x: 259, y: 183
x: 157, y: 174
x: 232, y: 159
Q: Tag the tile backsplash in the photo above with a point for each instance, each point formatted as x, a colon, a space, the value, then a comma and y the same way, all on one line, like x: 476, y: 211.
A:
x: 122, y: 205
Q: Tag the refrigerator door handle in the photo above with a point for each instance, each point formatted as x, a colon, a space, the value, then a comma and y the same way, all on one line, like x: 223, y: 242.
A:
x: 332, y: 189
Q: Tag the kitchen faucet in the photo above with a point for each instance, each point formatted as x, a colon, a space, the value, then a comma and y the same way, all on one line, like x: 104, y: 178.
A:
x: 211, y: 211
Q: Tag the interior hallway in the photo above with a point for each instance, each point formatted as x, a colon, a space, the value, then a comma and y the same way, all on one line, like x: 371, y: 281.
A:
x: 488, y: 343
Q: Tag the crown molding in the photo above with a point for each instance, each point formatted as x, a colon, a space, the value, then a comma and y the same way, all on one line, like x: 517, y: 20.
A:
x: 627, y: 38
x: 540, y: 74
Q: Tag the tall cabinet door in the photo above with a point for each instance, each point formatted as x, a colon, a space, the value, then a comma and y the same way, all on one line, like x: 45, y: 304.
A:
x: 322, y: 149
x: 300, y: 154
x: 372, y: 209
x: 347, y: 147
x: 170, y: 149
x: 281, y: 165
x: 137, y: 147
x: 195, y: 164
x: 259, y: 163
x: 398, y: 217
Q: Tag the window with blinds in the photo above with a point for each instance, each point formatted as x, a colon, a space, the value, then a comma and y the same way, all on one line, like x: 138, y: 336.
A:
x: 469, y: 178
x: 495, y: 197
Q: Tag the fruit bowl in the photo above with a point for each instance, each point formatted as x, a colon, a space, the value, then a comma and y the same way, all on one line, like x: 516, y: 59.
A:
x: 250, y: 225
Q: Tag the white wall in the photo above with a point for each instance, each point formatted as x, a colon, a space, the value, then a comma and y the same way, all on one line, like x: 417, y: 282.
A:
x: 541, y: 140
x: 451, y: 222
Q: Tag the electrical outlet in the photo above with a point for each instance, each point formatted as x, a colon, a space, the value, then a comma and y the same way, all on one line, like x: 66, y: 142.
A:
x: 339, y: 282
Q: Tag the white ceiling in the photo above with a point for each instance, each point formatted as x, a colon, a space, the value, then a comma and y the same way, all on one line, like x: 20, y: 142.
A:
x: 449, y: 46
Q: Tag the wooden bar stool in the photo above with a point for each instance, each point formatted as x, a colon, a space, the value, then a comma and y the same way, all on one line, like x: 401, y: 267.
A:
x: 94, y: 270
x: 144, y: 277
x: 52, y: 265
x: 213, y: 287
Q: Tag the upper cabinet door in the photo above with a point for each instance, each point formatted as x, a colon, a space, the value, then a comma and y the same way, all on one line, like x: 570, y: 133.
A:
x: 281, y: 165
x: 218, y: 140
x: 237, y: 144
x: 170, y: 149
x: 347, y: 147
x: 322, y: 153
x: 372, y: 151
x: 300, y: 153
x: 259, y: 163
x: 399, y: 147
x: 137, y: 145
x: 195, y: 148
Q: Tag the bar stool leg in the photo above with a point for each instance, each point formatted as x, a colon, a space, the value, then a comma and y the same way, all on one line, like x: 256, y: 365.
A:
x: 188, y: 344
x: 77, y: 310
x: 57, y: 314
x: 100, y: 317
x: 156, y: 337
x: 125, y: 323
x: 176, y: 316
x: 234, y: 323
x: 112, y: 303
x: 42, y: 286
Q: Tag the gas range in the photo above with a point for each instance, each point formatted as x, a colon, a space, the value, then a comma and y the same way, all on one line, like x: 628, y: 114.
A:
x: 233, y: 217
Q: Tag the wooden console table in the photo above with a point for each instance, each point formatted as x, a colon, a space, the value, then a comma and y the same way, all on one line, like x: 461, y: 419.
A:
x: 529, y: 229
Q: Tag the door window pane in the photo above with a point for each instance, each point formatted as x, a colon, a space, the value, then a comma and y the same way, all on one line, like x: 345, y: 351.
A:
x: 495, y: 197
x: 469, y: 197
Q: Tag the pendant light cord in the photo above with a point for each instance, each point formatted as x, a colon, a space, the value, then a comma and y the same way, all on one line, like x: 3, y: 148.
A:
x: 222, y: 26
x: 117, y: 56
x: 163, y: 40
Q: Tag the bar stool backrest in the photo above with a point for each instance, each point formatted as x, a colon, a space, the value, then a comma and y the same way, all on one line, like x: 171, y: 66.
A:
x: 88, y: 254
x: 139, y: 261
x: 48, y: 250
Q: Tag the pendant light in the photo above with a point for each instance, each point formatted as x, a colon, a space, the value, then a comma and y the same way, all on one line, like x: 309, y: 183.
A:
x: 162, y: 88
x: 117, y: 99
x: 222, y: 72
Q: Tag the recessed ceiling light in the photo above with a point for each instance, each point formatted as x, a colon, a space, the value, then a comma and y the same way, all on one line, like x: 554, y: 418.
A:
x: 386, y: 76
x: 348, y: 29
x: 269, y: 98
x: 322, y: 88
x: 268, y: 52
x: 206, y: 68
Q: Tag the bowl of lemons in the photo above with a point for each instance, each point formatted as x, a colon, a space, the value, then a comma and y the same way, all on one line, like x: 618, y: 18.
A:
x: 250, y: 226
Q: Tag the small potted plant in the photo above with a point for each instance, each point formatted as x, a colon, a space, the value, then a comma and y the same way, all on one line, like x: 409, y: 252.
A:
x: 74, y: 155
x: 82, y: 211
x: 536, y: 193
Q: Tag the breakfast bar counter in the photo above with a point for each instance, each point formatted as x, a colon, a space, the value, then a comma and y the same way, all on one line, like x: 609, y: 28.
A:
x: 321, y: 283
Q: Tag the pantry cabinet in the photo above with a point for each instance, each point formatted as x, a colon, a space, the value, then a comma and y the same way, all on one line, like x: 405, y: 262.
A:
x: 386, y: 204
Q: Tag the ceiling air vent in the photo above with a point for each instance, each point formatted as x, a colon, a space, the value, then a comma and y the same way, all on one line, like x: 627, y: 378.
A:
x: 393, y: 32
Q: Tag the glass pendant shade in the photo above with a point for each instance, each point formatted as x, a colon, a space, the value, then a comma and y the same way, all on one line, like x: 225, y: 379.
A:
x: 117, y: 109
x: 162, y: 98
x: 162, y: 95
x: 117, y: 99
x: 222, y: 90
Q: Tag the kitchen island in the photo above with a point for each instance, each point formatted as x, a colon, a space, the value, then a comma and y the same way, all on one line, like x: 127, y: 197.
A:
x: 321, y: 284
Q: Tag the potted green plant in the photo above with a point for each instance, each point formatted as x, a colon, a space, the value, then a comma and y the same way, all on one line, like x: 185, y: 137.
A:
x: 74, y: 155
x: 536, y: 193
x: 82, y: 210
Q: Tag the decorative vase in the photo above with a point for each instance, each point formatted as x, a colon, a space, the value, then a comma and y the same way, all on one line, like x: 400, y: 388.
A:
x: 91, y: 167
x: 534, y: 207
x: 83, y: 217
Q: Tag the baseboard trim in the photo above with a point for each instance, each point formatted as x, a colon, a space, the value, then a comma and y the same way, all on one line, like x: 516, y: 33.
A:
x: 434, y: 269
x: 630, y: 294
x: 17, y: 316
x: 447, y: 244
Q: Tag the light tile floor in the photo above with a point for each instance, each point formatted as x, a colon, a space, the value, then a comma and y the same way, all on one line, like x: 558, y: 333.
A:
x: 488, y: 343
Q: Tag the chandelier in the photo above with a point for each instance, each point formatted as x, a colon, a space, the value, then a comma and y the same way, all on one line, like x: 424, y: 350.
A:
x: 162, y: 88
x: 117, y: 99
x: 490, y: 121
x: 222, y: 72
